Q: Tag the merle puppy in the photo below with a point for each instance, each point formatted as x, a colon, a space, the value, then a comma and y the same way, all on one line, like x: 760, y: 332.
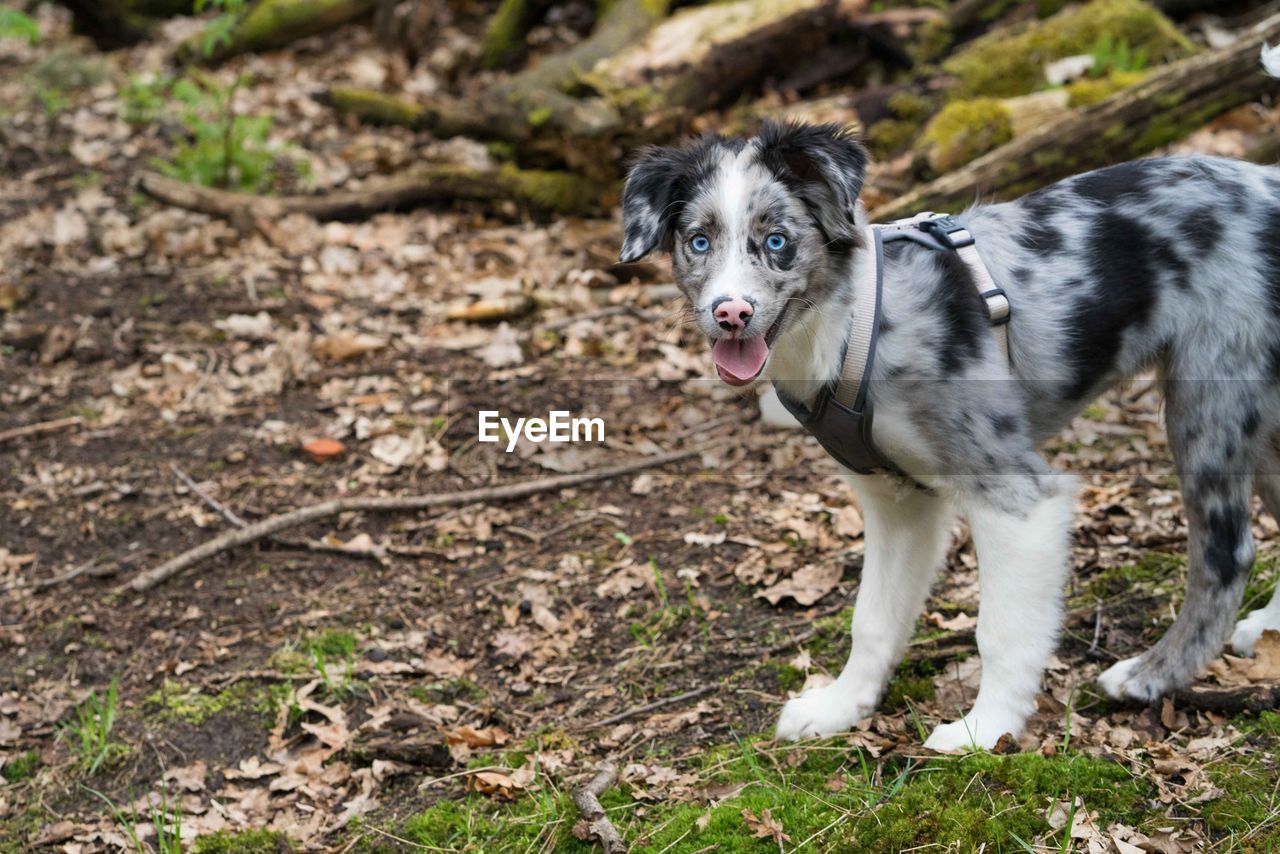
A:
x: 1165, y: 263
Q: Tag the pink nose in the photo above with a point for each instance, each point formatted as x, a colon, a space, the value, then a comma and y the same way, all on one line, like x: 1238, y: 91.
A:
x: 732, y: 313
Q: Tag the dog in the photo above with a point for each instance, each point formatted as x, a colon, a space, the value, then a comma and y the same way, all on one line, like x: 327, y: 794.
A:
x: 1170, y: 263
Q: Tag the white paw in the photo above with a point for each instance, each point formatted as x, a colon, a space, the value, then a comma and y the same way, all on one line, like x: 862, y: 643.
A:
x: 821, y: 711
x: 971, y: 733
x: 1125, y: 680
x: 1250, y: 629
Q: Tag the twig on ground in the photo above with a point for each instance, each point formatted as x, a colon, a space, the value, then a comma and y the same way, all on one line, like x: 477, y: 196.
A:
x: 224, y: 511
x: 42, y: 583
x: 649, y: 707
x: 1230, y: 701
x: 1097, y: 628
x: 587, y: 799
x: 384, y: 504
x: 40, y: 428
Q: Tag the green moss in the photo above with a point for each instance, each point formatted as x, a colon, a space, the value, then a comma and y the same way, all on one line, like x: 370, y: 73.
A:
x: 910, y: 106
x: 449, y: 691
x: 191, y: 705
x: 907, y: 686
x: 853, y: 801
x: 560, y: 192
x: 503, y: 39
x: 1092, y: 90
x: 333, y: 644
x: 1249, y: 808
x: 21, y: 767
x: 1004, y: 65
x: 243, y: 842
x: 375, y: 107
x: 965, y: 130
x: 887, y: 137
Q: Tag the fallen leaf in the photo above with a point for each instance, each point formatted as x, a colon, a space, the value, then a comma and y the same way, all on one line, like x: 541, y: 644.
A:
x: 341, y: 346
x: 807, y: 585
x: 766, y: 826
x: 472, y: 737
x: 505, y: 784
x: 188, y: 779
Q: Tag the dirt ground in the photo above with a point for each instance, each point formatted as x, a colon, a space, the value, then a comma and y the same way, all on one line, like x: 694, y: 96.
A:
x: 442, y: 679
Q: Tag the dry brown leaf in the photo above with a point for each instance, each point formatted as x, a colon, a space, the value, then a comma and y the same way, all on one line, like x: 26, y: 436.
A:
x: 504, y: 784
x: 470, y: 736
x: 807, y: 585
x: 766, y: 826
x: 341, y: 346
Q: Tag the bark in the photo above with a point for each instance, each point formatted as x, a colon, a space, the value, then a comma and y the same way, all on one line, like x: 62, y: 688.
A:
x: 697, y: 60
x: 269, y: 24
x: 115, y: 24
x: 1167, y: 105
x: 556, y: 192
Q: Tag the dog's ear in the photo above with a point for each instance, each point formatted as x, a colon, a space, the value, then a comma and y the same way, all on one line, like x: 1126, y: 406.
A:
x: 822, y: 164
x: 648, y: 201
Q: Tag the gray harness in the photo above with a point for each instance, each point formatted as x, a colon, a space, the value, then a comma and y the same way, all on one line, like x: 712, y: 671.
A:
x: 840, y: 418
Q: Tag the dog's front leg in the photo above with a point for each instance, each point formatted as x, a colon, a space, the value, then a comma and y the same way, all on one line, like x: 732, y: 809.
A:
x: 1022, y: 564
x: 906, y: 538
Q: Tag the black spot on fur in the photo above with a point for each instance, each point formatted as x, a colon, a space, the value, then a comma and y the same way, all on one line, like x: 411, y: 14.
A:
x: 1039, y: 236
x: 1123, y: 266
x: 962, y: 311
x: 1203, y: 229
x: 1252, y: 420
x: 1268, y: 243
x: 1104, y: 186
x: 1004, y: 425
x: 1226, y: 532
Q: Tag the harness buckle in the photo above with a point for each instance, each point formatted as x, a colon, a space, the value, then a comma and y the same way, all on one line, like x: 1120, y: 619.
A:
x: 943, y: 227
x: 998, y: 307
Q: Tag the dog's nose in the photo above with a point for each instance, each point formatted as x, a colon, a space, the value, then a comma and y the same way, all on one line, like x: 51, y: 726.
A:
x: 732, y: 313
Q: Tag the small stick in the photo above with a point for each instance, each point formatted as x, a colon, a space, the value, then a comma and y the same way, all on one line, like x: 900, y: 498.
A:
x: 383, y: 504
x: 1097, y: 628
x: 224, y: 511
x: 40, y: 428
x: 649, y: 707
x: 587, y: 799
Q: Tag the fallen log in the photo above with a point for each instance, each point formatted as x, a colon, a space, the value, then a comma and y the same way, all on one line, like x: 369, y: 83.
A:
x: 115, y: 24
x: 555, y: 192
x: 699, y: 59
x: 269, y: 24
x: 1170, y: 103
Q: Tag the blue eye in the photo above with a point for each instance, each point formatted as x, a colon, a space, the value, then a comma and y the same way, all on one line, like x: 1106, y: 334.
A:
x: 700, y: 244
x: 774, y: 242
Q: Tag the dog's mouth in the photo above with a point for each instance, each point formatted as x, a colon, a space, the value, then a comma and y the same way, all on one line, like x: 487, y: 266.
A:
x: 740, y: 360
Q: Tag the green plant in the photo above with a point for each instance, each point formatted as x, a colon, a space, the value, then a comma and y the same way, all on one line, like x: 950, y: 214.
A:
x: 224, y: 149
x: 90, y: 730
x: 1111, y: 54
x: 21, y: 767
x: 17, y: 25
x: 218, y: 32
x: 165, y: 818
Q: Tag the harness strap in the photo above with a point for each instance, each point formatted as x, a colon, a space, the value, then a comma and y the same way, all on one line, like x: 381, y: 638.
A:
x: 955, y: 236
x: 859, y: 351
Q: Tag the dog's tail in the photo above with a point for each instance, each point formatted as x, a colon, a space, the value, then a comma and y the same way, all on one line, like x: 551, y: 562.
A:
x: 1271, y: 59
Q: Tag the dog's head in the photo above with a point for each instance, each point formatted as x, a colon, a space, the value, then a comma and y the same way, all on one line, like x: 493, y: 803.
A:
x: 754, y: 227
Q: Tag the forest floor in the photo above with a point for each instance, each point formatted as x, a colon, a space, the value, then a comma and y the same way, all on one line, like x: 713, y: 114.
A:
x: 447, y: 679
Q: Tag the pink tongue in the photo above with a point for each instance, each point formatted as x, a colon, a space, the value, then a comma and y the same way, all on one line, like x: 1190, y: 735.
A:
x: 739, y: 360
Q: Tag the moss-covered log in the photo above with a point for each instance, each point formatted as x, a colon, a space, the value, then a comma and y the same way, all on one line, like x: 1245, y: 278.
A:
x: 1010, y: 61
x: 554, y: 192
x: 269, y: 24
x: 1170, y: 103
x: 709, y: 56
x: 113, y: 24
x: 504, y: 38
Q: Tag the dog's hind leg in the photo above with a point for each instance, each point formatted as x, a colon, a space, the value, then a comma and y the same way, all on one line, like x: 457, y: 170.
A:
x: 1267, y: 483
x: 906, y: 539
x: 1211, y: 430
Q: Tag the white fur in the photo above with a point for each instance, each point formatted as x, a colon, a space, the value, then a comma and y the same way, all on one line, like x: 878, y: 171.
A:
x: 1022, y: 564
x: 906, y: 542
x: 1251, y: 627
x: 1271, y: 59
